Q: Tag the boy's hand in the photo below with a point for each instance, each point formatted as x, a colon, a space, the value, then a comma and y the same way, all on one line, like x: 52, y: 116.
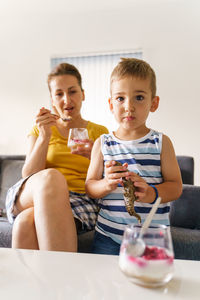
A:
x: 144, y: 192
x: 114, y: 174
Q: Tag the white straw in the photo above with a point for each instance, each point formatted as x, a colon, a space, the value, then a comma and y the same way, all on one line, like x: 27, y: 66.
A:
x: 150, y: 216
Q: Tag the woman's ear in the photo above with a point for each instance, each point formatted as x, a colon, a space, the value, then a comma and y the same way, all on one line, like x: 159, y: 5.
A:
x: 51, y: 99
x: 83, y: 94
x: 110, y: 104
x: 155, y: 103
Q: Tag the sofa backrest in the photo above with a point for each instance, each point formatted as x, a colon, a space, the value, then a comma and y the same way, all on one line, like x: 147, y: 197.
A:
x: 10, y: 173
x: 186, y: 164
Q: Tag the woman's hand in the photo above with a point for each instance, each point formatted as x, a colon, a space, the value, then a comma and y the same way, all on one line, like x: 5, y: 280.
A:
x: 44, y: 120
x: 84, y: 150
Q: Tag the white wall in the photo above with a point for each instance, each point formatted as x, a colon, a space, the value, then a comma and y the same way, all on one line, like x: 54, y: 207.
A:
x: 168, y: 31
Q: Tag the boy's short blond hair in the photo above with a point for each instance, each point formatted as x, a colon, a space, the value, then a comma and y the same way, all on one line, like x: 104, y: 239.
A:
x: 136, y: 68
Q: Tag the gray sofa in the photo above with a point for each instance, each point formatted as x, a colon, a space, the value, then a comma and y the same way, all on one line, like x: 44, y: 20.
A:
x: 184, y: 214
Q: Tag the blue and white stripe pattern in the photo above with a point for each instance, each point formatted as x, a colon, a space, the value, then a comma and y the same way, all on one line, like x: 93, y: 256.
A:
x: 143, y: 158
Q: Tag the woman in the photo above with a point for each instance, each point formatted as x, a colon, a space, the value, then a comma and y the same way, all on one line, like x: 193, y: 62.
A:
x: 49, y: 203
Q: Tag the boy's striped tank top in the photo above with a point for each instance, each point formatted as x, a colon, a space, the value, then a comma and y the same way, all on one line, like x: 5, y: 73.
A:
x: 143, y: 158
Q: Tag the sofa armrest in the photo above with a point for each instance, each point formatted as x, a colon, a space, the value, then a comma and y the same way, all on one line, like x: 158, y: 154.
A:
x: 185, y: 211
x: 10, y: 173
x: 186, y: 243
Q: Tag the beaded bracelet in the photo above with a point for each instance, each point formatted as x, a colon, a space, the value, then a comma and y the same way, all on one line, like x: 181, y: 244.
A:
x: 156, y: 191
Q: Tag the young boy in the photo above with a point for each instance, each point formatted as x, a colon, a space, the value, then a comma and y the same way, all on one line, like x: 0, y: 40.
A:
x: 147, y: 158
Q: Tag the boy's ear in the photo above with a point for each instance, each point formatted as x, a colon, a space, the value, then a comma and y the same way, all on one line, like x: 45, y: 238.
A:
x: 155, y: 103
x: 110, y: 104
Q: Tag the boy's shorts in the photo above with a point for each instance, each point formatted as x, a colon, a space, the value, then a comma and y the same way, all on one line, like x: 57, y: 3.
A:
x: 84, y: 208
x: 103, y: 244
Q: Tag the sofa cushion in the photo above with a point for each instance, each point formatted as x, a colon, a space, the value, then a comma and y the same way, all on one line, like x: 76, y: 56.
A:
x: 10, y: 174
x: 5, y: 233
x: 84, y: 239
x: 186, y: 243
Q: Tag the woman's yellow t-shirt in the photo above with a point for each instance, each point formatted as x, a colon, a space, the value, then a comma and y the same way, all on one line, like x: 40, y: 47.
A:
x: 74, y: 167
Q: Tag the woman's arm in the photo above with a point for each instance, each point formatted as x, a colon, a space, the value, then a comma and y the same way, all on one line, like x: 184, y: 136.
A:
x: 38, y: 146
x: 36, y: 155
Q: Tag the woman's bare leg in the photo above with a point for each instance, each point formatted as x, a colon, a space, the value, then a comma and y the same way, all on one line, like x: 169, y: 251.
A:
x: 47, y: 192
x: 24, y: 234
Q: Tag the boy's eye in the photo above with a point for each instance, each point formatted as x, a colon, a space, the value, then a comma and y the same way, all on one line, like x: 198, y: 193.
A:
x: 139, y: 97
x: 119, y: 99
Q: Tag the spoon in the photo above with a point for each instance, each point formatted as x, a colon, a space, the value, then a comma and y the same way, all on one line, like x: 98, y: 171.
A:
x: 137, y: 247
x: 69, y: 118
